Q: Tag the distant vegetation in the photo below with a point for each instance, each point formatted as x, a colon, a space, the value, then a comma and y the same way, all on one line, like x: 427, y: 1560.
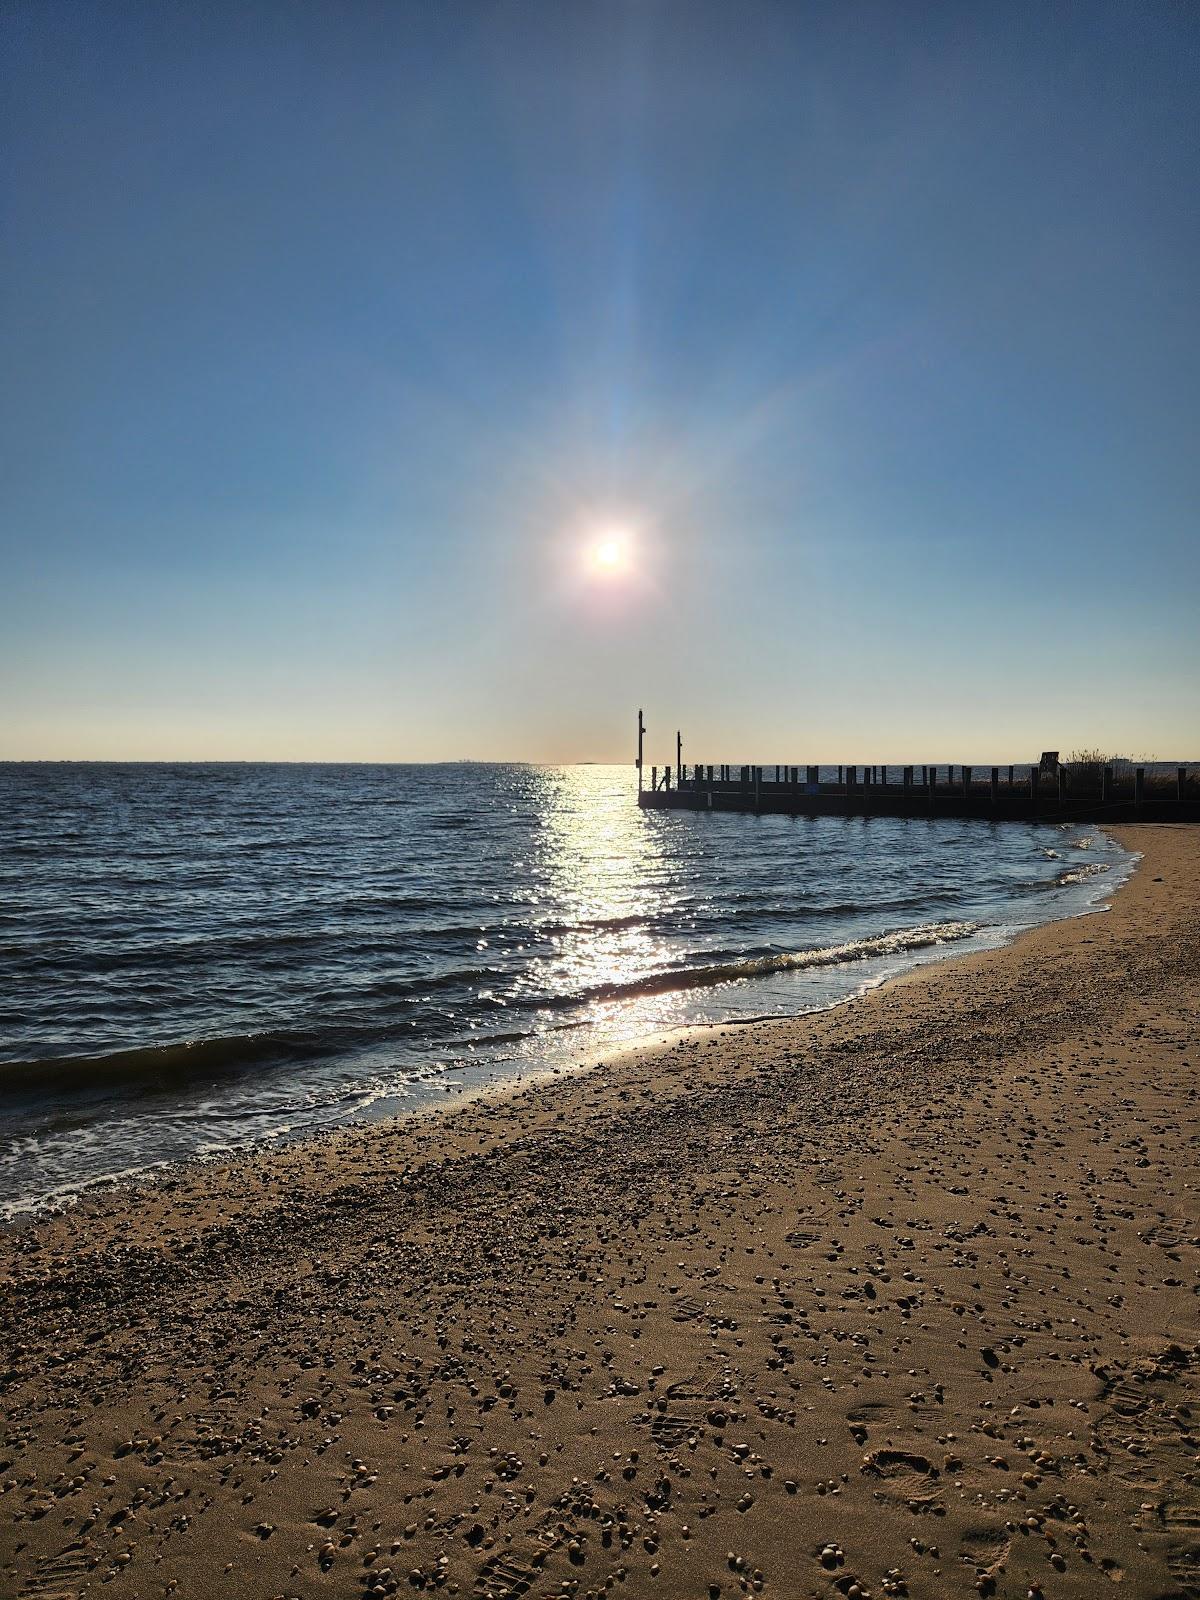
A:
x: 1089, y: 765
x: 1085, y: 770
x: 1092, y: 762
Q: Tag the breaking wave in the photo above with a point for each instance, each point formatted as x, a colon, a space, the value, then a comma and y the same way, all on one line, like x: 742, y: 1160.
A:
x: 175, y: 1064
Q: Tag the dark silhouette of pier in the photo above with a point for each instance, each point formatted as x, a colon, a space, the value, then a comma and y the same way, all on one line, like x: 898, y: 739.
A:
x: 1046, y: 791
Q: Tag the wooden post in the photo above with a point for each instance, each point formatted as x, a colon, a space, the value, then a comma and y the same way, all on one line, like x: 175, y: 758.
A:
x: 667, y: 779
x: 1139, y: 787
x: 1106, y: 785
x: 653, y: 779
x: 1010, y: 777
x: 641, y: 741
x: 679, y: 755
x: 966, y: 780
x: 995, y: 784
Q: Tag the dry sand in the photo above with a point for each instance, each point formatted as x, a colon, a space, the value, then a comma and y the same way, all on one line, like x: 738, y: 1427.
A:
x: 900, y: 1299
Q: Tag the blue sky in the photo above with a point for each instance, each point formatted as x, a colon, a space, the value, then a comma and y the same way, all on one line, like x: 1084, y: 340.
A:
x: 334, y: 338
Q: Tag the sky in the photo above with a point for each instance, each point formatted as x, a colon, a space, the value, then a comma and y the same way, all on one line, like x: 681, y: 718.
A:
x: 436, y: 380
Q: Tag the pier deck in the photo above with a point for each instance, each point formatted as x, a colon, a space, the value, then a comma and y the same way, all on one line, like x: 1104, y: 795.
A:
x: 767, y: 797
x: 1051, y: 791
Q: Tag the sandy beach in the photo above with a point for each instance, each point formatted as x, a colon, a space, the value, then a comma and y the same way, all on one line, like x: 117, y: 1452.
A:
x: 896, y: 1299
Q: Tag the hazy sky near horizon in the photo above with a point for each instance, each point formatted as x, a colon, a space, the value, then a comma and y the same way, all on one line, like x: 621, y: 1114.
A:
x: 335, y: 337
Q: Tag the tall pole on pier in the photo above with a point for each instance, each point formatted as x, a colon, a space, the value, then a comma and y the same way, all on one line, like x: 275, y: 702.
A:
x: 641, y: 743
x: 678, y: 757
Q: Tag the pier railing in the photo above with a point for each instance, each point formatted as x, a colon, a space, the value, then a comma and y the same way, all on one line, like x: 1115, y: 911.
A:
x: 1081, y: 791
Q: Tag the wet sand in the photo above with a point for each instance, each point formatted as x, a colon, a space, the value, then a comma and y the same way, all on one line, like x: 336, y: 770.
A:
x: 899, y: 1299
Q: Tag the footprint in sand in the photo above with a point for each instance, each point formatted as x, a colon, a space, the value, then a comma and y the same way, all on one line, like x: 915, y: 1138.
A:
x: 910, y: 1479
x: 802, y: 1238
x: 59, y: 1577
x: 512, y: 1572
x: 672, y: 1431
x: 985, y: 1549
x: 686, y: 1308
x: 868, y: 1414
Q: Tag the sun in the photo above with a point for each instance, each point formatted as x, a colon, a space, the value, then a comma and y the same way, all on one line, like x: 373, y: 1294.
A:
x: 609, y: 555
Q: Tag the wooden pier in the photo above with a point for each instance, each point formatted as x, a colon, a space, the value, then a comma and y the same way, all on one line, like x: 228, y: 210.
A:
x: 1061, y: 793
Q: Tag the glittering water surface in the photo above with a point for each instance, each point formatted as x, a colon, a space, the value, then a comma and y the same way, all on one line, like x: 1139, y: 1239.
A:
x: 195, y: 959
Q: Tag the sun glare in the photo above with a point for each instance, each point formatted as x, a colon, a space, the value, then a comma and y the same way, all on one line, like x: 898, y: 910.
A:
x: 609, y: 556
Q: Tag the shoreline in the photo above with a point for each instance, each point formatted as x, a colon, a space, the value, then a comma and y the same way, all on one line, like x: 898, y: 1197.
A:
x: 473, y: 1077
x: 787, y: 1291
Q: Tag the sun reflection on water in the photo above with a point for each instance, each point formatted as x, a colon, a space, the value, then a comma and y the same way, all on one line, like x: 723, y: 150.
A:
x: 604, y: 866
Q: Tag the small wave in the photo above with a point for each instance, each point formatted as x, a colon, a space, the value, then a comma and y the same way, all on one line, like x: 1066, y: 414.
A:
x: 477, y: 1041
x: 637, y: 919
x: 884, y: 944
x: 175, y: 1063
x: 1090, y: 869
x: 729, y: 911
x: 172, y: 1065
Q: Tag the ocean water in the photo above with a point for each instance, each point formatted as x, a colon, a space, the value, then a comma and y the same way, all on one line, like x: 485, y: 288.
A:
x: 197, y: 959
